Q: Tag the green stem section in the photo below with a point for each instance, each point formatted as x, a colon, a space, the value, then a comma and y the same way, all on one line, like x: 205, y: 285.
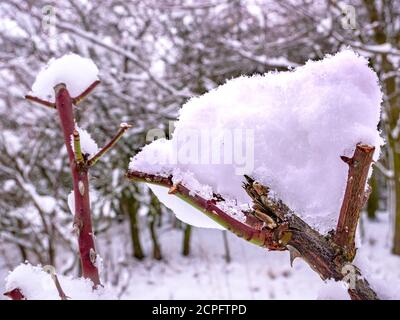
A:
x: 77, y: 148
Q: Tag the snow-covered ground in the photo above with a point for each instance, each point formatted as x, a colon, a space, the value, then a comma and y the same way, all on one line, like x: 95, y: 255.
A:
x: 253, y: 273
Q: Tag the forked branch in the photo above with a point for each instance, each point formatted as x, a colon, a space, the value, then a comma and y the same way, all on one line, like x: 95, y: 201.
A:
x: 75, y: 100
x: 271, y: 224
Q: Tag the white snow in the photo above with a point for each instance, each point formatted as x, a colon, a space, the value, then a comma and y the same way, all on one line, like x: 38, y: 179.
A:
x: 76, y: 72
x: 182, y: 209
x: 374, y: 258
x: 333, y: 290
x: 253, y: 273
x: 88, y: 145
x: 36, y: 284
x: 298, y: 123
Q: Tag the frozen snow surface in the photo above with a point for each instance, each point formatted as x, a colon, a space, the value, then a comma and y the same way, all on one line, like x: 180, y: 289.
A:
x: 287, y: 130
x: 36, y: 284
x: 253, y: 273
x: 333, y: 290
x: 75, y: 72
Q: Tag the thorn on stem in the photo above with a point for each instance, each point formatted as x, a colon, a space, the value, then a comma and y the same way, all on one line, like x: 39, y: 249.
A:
x: 347, y: 160
x: 294, y: 253
x: 77, y: 226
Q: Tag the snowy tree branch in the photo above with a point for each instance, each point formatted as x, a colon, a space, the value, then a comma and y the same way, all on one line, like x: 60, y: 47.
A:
x: 279, y: 228
x: 79, y: 170
x: 353, y: 201
x: 123, y: 128
x: 264, y: 238
x: 40, y: 101
x: 85, y: 93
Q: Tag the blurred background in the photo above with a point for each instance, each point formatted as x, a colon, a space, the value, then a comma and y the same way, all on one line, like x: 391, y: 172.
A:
x: 153, y: 56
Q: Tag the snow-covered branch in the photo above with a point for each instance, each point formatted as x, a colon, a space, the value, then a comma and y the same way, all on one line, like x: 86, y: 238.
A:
x: 354, y: 199
x: 287, y: 232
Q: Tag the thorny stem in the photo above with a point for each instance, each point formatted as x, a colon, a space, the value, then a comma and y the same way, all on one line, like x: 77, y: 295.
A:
x: 287, y: 232
x: 79, y: 170
x: 109, y: 145
x: 265, y: 238
x: 82, y: 219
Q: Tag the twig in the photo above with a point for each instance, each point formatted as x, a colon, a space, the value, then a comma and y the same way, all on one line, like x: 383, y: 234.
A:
x: 264, y: 238
x: 52, y: 272
x: 354, y: 199
x: 75, y: 100
x: 82, y: 218
x: 45, y: 103
x: 109, y: 145
x: 61, y: 292
x: 85, y: 93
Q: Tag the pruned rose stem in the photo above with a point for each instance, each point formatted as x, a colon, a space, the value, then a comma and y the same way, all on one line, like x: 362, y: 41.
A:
x: 82, y: 218
x: 354, y: 199
x: 291, y: 233
x: 79, y: 169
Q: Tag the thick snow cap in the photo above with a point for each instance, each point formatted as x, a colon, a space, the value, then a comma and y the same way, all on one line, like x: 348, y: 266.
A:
x: 287, y: 130
x: 75, y: 72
